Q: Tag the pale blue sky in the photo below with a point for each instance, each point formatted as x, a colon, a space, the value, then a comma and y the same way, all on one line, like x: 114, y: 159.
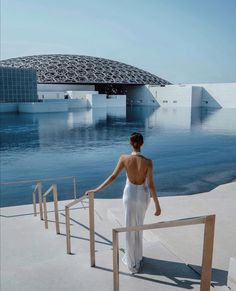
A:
x: 183, y: 41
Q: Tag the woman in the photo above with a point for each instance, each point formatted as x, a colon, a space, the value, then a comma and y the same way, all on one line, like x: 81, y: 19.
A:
x: 136, y: 197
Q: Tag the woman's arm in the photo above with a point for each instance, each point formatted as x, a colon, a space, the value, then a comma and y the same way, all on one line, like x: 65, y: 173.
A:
x: 119, y: 167
x: 152, y: 189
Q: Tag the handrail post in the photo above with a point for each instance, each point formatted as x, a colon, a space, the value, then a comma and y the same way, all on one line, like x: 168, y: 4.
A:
x: 38, y: 189
x: 207, y: 253
x: 115, y: 244
x: 91, y: 225
x: 74, y: 187
x: 208, y: 221
x: 52, y: 189
x: 55, y: 200
x: 68, y: 240
x: 45, y: 212
x: 34, y: 203
x: 91, y: 229
x: 40, y: 200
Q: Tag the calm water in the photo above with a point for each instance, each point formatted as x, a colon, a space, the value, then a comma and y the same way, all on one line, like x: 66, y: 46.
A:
x: 193, y: 150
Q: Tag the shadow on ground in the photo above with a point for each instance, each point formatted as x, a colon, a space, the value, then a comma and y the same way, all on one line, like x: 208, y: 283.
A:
x: 177, y: 274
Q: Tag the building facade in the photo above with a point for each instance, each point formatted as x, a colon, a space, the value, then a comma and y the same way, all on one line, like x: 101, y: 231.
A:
x: 214, y: 95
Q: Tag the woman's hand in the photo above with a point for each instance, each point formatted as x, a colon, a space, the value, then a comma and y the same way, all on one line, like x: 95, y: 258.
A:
x: 158, y: 210
x: 90, y: 191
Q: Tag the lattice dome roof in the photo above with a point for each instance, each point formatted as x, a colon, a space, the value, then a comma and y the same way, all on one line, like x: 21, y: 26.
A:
x: 76, y: 69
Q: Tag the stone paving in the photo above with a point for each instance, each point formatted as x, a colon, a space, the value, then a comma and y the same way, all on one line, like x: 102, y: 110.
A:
x: 34, y: 259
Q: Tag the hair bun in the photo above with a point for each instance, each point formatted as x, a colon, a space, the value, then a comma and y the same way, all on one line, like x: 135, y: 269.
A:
x: 136, y: 139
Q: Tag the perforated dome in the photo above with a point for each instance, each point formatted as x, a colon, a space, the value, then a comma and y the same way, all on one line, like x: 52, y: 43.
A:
x: 76, y: 69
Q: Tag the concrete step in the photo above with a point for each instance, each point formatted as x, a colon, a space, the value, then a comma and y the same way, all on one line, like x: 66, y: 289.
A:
x: 188, y: 250
x: 35, y: 259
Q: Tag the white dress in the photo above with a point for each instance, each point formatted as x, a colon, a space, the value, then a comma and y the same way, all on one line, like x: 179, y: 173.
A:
x: 136, y: 199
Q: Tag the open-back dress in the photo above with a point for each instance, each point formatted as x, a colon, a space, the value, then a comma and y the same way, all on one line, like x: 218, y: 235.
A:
x: 136, y: 198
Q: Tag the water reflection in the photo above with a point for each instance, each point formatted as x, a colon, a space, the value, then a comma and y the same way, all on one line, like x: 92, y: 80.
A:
x: 220, y: 120
x: 18, y: 129
x: 185, y: 144
x: 89, y: 117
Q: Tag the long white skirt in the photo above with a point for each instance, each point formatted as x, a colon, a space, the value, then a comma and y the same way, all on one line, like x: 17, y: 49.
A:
x: 136, y: 199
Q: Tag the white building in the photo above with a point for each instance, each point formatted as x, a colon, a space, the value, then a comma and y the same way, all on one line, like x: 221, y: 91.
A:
x: 216, y: 95
x: 74, y: 81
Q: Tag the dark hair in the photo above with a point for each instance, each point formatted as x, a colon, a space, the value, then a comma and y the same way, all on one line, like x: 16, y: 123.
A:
x: 136, y: 139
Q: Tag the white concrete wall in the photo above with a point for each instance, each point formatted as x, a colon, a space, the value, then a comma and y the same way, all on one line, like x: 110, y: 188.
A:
x: 168, y: 96
x: 116, y: 101
x: 172, y: 95
x: 64, y: 87
x: 77, y: 103
x: 196, y: 96
x: 140, y: 95
x: 101, y: 100
x: 52, y: 103
x: 43, y: 107
x: 50, y: 95
x: 97, y: 100
x: 8, y: 107
x: 80, y: 94
x: 222, y: 95
x: 84, y: 99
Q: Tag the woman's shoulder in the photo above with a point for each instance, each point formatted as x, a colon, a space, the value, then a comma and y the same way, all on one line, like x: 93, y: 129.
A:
x: 148, y: 162
x: 124, y: 156
x: 146, y: 158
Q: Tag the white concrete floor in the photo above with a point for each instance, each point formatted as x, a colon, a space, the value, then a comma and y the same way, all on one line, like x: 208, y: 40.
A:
x: 34, y: 259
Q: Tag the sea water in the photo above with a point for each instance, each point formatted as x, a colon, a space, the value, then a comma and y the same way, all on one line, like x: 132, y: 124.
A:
x: 193, y: 150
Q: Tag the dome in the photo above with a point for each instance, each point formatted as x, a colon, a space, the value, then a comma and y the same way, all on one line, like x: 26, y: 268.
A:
x: 77, y: 69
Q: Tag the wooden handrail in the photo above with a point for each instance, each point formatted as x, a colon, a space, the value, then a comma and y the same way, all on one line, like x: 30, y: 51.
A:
x: 38, y: 188
x: 52, y: 189
x: 74, y: 202
x: 207, y: 255
x: 91, y: 225
x: 164, y: 224
x: 208, y: 242
x: 48, y: 191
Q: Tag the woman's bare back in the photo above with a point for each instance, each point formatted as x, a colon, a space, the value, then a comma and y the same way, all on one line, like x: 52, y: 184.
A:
x: 138, y: 170
x: 136, y: 167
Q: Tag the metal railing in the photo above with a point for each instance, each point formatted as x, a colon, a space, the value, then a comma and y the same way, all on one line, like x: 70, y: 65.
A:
x: 208, y: 241
x: 38, y: 188
x: 91, y: 225
x: 52, y: 189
